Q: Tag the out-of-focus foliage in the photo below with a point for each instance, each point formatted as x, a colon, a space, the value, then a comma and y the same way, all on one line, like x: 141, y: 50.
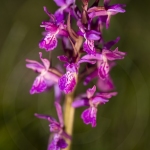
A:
x: 123, y: 123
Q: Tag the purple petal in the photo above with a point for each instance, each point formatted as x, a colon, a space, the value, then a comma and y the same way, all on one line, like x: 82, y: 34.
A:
x: 50, y: 28
x: 34, y: 65
x: 58, y: 93
x: 45, y: 61
x: 63, y: 58
x: 72, y: 67
x: 62, y: 143
x: 39, y: 85
x: 99, y: 100
x: 67, y: 82
x: 86, y: 61
x: 92, y: 35
x: 116, y: 8
x: 107, y: 95
x: 79, y: 102
x: 46, y: 117
x: 88, y: 46
x: 89, y: 116
x: 60, y: 3
x: 106, y: 84
x: 50, y: 78
x: 94, y: 12
x: 114, y: 55
x: 103, y: 70
x: 63, y: 33
x: 59, y: 15
x: 92, y: 57
x: 90, y: 92
x: 49, y: 42
x: 109, y: 44
x: 59, y: 113
x: 57, y: 143
x: 53, y: 144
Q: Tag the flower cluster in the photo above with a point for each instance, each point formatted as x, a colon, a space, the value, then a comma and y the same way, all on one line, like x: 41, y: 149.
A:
x: 84, y: 45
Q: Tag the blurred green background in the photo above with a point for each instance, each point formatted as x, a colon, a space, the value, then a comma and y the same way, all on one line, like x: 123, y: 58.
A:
x: 122, y: 124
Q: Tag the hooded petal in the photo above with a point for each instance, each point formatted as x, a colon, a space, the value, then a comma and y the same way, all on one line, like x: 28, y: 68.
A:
x: 67, y: 82
x: 88, y: 46
x: 49, y: 42
x: 89, y: 116
x: 45, y: 61
x: 90, y: 92
x: 39, y: 85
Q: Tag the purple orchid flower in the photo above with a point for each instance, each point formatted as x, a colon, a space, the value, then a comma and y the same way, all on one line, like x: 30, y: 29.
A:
x: 53, y: 29
x: 104, y: 84
x: 57, y: 128
x: 90, y: 36
x: 68, y: 81
x: 107, y: 11
x: 64, y: 7
x: 102, y: 60
x: 89, y: 115
x: 45, y: 79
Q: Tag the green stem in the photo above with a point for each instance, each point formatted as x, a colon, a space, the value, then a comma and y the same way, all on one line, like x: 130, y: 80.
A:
x: 69, y: 116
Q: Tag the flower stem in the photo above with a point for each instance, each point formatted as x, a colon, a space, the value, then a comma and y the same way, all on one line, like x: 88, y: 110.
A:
x: 69, y: 116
